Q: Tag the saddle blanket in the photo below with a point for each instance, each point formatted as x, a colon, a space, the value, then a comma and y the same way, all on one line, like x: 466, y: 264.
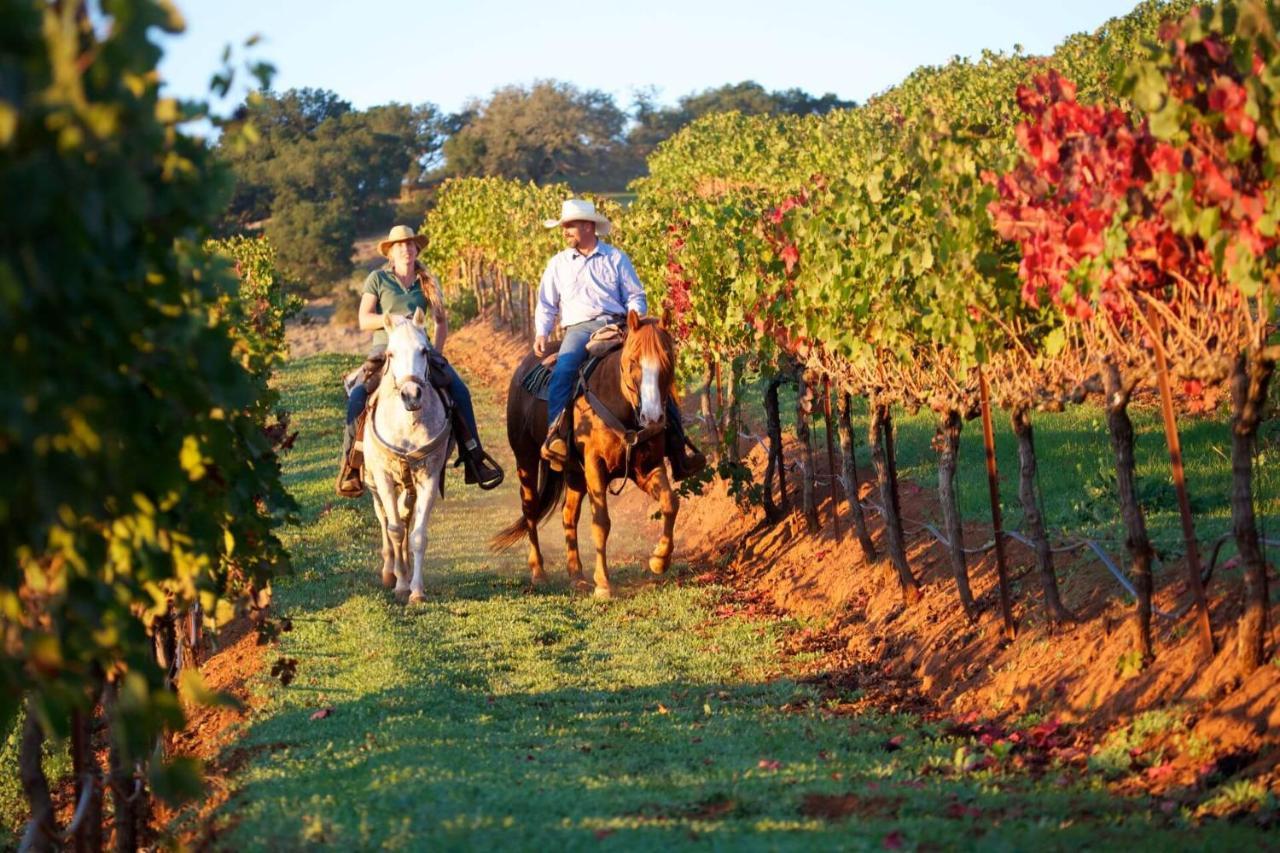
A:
x: 538, y: 381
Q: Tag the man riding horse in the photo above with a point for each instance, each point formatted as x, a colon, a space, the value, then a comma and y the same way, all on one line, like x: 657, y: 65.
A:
x: 587, y: 286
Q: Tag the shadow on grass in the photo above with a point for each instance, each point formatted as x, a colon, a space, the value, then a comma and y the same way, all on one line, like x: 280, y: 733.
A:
x: 446, y: 765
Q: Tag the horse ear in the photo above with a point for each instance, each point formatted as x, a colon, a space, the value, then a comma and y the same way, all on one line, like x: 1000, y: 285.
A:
x: 419, y: 319
x: 388, y: 321
x: 633, y: 320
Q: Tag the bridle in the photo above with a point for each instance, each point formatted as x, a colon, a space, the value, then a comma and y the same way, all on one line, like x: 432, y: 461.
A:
x: 395, y: 380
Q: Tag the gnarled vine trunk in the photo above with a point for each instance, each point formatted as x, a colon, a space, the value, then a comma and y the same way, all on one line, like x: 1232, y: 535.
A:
x: 88, y: 774
x: 880, y: 437
x: 126, y: 797
x: 808, y: 499
x: 1136, y: 541
x: 776, y: 461
x: 35, y: 785
x: 1022, y: 430
x: 1249, y: 381
x: 849, y: 470
x: 947, y: 443
x: 709, y: 417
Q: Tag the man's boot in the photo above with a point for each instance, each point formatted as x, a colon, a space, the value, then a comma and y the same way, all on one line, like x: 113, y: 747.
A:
x: 349, y: 484
x: 555, y: 450
x: 686, y: 460
x: 478, y: 466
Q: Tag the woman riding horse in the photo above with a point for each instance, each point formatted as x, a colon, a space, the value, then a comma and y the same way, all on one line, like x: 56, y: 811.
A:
x: 400, y: 288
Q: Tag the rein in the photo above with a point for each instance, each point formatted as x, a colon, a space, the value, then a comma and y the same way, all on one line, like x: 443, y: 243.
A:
x: 630, y: 437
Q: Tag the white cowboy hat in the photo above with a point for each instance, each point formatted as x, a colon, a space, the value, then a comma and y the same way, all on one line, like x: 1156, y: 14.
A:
x: 578, y: 209
x: 400, y: 234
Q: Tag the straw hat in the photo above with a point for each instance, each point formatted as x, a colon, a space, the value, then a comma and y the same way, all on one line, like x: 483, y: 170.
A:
x: 576, y: 209
x: 399, y: 234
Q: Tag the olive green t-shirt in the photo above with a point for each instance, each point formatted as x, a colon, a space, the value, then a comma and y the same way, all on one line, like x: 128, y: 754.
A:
x: 395, y: 299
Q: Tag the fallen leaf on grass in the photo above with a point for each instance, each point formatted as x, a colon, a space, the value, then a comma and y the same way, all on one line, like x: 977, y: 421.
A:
x: 769, y: 764
x: 322, y: 713
x: 892, y: 841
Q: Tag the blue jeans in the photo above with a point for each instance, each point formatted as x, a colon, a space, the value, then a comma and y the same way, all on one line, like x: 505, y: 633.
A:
x: 461, y: 398
x: 573, y: 352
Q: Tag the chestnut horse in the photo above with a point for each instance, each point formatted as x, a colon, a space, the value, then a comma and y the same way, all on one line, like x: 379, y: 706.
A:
x: 618, y: 434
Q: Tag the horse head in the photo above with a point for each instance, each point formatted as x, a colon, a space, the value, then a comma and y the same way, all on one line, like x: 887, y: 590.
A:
x: 407, y: 357
x: 648, y: 367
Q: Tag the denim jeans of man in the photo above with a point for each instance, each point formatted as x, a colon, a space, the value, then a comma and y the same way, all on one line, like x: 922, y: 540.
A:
x: 457, y: 388
x: 573, y: 352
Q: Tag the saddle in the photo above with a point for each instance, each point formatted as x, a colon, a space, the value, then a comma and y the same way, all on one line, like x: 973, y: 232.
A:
x: 603, y: 341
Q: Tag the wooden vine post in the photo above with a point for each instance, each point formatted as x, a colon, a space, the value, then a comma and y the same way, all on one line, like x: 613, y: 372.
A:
x: 831, y: 454
x: 993, y: 487
x: 1203, y: 627
x: 849, y: 467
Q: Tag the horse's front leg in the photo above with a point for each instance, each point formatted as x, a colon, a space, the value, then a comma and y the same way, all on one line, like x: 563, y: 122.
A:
x: 388, y: 551
x: 598, y: 489
x: 428, y: 489
x: 572, y: 512
x: 393, y: 534
x: 659, y: 488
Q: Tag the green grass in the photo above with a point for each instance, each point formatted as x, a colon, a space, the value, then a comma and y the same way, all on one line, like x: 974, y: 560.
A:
x: 493, y: 716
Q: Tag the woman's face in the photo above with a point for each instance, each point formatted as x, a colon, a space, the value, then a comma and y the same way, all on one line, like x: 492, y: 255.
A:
x: 404, y: 253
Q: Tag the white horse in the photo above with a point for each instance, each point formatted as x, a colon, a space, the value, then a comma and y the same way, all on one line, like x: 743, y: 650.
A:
x: 406, y: 444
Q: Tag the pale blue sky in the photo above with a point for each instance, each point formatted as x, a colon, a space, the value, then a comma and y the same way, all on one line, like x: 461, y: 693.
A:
x: 445, y: 52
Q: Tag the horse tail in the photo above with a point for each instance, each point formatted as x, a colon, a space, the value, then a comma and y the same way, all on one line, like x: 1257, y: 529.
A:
x: 550, y: 491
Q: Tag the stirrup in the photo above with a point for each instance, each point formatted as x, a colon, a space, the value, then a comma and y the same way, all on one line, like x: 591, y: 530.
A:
x: 349, y: 484
x: 556, y: 457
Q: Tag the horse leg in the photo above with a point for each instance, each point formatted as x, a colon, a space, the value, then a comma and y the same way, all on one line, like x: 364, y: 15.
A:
x: 388, y: 553
x: 529, y: 508
x: 388, y: 494
x: 659, y: 488
x: 598, y: 489
x: 418, y: 537
x: 572, y: 512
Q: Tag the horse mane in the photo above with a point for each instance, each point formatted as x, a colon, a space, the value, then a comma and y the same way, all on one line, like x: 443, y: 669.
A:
x: 649, y: 341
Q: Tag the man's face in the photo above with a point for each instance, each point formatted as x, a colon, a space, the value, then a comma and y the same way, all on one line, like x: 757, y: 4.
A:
x: 579, y: 233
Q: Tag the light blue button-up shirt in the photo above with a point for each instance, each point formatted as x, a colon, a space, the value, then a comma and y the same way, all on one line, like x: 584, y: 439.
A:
x: 577, y: 287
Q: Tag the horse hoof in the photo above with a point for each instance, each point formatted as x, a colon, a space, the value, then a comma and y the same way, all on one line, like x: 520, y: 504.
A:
x: 603, y: 592
x: 658, y: 565
x: 388, y: 579
x: 578, y: 582
x: 416, y: 598
x: 538, y: 578
x: 402, y: 594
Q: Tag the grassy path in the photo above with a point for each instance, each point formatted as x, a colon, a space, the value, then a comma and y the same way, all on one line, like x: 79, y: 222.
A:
x: 495, y: 716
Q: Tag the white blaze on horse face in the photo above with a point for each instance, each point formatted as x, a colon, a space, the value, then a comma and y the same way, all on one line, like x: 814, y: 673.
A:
x: 407, y: 352
x: 650, y: 393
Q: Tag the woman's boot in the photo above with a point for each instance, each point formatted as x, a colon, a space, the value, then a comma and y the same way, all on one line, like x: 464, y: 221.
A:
x: 478, y: 466
x: 349, y: 483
